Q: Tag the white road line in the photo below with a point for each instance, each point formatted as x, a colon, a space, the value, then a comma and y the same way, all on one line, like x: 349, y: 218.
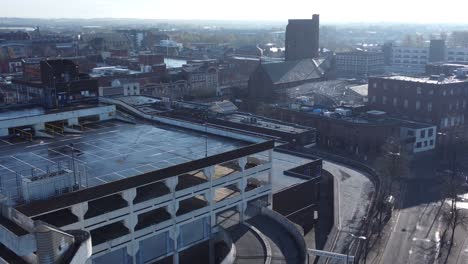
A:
x: 6, y: 168
x: 32, y: 166
x: 101, y: 179
x: 123, y: 177
x: 43, y: 157
x: 109, y: 132
x: 9, y: 143
x: 40, y: 144
x: 69, y: 139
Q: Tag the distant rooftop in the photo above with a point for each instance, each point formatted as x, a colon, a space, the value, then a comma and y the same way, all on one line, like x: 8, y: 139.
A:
x: 427, y: 79
x: 264, y: 123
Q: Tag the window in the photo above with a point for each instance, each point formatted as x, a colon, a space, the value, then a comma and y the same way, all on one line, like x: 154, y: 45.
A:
x: 410, y: 133
x: 374, y: 98
x: 431, y: 91
x: 431, y: 143
x: 384, y: 99
x: 406, y: 103
x: 418, y: 90
x: 385, y: 86
x: 422, y: 133
x: 429, y: 107
x: 425, y: 143
x: 374, y: 85
x: 395, y: 101
x: 444, y: 92
x: 419, y: 145
x: 430, y: 132
x: 418, y: 105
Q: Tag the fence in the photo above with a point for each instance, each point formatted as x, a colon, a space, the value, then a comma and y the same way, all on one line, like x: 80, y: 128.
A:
x: 27, y: 186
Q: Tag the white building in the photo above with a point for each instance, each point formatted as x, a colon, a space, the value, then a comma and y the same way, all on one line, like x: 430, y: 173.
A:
x: 125, y: 87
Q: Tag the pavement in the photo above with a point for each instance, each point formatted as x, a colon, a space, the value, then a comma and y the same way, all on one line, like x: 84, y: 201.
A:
x: 353, y: 193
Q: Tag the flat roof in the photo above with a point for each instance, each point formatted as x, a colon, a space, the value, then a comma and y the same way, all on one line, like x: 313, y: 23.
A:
x: 264, y: 123
x: 111, y: 151
x: 18, y: 113
x: 425, y: 79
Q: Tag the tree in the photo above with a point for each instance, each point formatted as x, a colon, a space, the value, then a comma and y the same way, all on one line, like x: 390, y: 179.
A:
x: 392, y: 165
x: 453, y: 216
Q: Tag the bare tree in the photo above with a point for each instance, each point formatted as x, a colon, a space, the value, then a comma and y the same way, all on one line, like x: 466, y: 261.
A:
x: 453, y: 216
x: 392, y: 165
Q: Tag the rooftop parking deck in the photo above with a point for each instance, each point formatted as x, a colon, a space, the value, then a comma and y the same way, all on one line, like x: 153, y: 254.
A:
x: 110, y: 151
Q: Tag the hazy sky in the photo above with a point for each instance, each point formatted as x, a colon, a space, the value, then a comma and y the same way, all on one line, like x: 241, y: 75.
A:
x: 435, y: 11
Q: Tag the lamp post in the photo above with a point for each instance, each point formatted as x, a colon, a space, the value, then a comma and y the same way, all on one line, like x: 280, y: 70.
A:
x: 394, y: 156
x: 363, y: 238
x: 72, y: 146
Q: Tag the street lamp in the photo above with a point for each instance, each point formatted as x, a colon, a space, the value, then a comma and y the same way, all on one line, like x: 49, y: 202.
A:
x: 362, y: 238
x: 72, y: 146
x: 394, y: 156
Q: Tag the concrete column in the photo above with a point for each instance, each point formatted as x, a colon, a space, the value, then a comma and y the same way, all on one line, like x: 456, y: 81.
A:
x: 174, y: 235
x: 73, y: 121
x: 132, y: 250
x: 209, y: 173
x: 241, y: 208
x: 129, y: 195
x: 171, y: 183
x: 3, y: 132
x: 242, y: 162
x: 79, y: 210
x: 209, y: 195
x: 39, y: 126
x: 270, y: 178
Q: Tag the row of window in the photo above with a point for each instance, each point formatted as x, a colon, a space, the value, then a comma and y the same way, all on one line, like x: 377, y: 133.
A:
x: 419, y: 90
x: 450, y: 106
x: 426, y: 143
x: 410, y: 51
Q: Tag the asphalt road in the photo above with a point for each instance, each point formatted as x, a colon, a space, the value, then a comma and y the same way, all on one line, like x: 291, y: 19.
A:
x: 416, y: 225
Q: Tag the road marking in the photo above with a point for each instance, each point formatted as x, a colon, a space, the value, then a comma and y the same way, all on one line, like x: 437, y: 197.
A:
x: 40, y: 144
x: 101, y: 179
x: 32, y: 166
x: 6, y: 168
x: 421, y: 239
x: 9, y: 143
x: 43, y: 157
x: 70, y: 139
x: 109, y: 132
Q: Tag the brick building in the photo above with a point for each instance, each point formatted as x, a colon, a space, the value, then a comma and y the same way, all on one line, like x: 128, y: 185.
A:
x: 302, y: 38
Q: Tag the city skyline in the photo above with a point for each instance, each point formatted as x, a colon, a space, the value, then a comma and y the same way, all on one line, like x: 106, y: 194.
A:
x: 333, y: 11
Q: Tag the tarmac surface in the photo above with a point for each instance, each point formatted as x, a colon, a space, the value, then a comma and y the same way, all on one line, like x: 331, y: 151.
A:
x: 110, y: 150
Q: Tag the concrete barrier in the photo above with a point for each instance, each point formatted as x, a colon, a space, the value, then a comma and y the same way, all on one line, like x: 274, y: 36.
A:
x: 296, y: 232
x: 215, y: 130
x: 224, y: 236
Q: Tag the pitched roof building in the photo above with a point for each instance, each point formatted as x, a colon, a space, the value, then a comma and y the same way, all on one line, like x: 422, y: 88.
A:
x: 271, y: 77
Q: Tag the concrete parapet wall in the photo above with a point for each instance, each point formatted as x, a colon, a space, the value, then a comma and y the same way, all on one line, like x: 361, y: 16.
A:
x: 38, y: 121
x: 291, y: 228
x: 184, y: 124
x: 222, y: 235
